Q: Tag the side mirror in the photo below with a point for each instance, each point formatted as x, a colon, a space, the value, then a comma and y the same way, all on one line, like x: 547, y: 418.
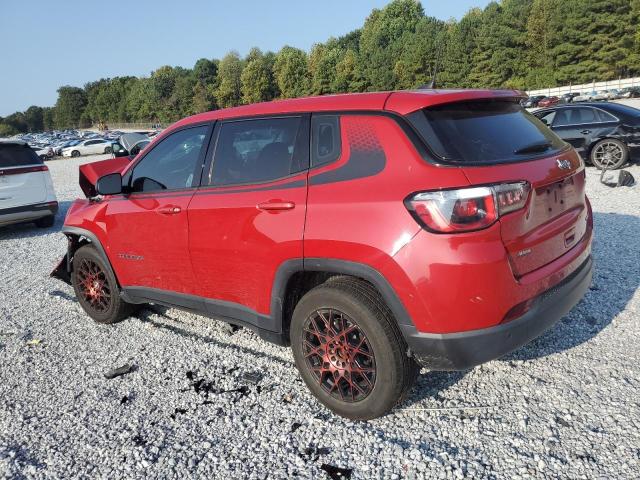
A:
x: 109, y: 184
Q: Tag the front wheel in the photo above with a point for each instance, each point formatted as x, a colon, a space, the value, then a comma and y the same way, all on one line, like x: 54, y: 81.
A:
x: 75, y: 153
x: 107, y: 150
x: 96, y: 287
x: 349, y: 350
x: 609, y: 154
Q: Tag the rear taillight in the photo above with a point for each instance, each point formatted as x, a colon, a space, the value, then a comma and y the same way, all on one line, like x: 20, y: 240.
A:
x: 467, y: 209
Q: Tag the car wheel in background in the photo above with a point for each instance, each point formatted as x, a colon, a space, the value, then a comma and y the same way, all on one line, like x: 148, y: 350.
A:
x: 349, y: 350
x: 609, y: 153
x: 96, y: 287
x: 44, y: 157
x: 45, y: 222
x: 107, y: 150
x: 75, y: 153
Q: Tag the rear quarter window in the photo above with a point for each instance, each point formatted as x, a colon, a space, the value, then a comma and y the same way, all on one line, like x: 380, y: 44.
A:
x: 484, y: 132
x: 12, y: 155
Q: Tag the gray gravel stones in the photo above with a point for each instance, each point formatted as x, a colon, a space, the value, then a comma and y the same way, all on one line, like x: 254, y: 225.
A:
x: 567, y: 405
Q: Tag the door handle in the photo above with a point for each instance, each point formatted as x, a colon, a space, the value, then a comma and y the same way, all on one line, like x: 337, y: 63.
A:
x: 169, y: 210
x: 271, y: 206
x: 585, y: 132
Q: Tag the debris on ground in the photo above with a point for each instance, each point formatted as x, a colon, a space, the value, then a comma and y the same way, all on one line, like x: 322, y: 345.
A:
x: 312, y: 453
x: 118, y: 372
x: 337, y: 473
x: 252, y: 377
x: 33, y: 342
x: 295, y: 426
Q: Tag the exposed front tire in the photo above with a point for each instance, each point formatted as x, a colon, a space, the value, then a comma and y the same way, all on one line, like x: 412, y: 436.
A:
x: 75, y: 153
x: 96, y: 287
x: 45, y: 222
x: 609, y: 154
x: 349, y: 350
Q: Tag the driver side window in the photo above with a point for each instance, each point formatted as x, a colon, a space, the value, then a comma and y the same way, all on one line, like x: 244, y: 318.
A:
x: 172, y: 163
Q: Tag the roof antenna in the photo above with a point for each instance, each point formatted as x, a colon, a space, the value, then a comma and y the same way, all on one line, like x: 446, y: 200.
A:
x: 432, y: 83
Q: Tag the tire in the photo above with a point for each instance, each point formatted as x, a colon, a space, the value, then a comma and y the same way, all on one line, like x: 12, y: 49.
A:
x: 96, y: 287
x: 46, y: 222
x: 44, y: 157
x: 609, y: 153
x: 357, y: 383
x: 107, y: 150
x: 75, y: 153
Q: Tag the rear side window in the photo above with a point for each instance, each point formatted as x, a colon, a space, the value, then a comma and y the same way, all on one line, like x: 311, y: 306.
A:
x: 484, y: 132
x: 253, y: 151
x: 325, y: 139
x: 12, y: 155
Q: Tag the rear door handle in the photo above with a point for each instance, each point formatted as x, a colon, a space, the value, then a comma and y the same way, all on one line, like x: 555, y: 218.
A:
x: 271, y: 206
x: 169, y: 210
x: 585, y: 132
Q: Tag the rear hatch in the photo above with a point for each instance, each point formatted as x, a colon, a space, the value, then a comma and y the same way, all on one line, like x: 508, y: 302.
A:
x: 497, y: 142
x: 22, y: 176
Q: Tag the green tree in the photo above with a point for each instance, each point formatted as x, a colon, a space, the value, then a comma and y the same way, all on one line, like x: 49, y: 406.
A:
x: 290, y: 70
x: 382, y: 40
x: 70, y: 106
x: 33, y: 119
x: 258, y: 84
x: 229, y: 92
x: 346, y: 73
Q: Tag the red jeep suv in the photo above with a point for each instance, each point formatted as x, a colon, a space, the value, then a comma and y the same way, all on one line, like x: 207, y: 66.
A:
x: 374, y: 233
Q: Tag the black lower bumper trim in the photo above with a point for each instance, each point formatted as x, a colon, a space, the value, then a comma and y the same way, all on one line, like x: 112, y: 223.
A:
x: 463, y: 350
x: 49, y: 208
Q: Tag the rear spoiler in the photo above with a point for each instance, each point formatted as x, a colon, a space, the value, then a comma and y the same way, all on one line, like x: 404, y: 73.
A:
x: 406, y: 102
x: 91, y: 172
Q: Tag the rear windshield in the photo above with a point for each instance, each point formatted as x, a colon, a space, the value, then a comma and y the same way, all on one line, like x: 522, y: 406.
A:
x: 12, y: 155
x: 484, y: 132
x: 622, y: 109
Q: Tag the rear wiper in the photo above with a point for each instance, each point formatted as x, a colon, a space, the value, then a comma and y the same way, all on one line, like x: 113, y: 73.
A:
x: 534, y: 147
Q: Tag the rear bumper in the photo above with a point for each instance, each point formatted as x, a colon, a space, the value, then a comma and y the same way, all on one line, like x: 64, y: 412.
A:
x: 460, y: 351
x: 27, y: 213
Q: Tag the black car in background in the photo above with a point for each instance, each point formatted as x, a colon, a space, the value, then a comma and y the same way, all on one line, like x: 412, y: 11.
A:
x: 605, y: 134
x: 568, y: 97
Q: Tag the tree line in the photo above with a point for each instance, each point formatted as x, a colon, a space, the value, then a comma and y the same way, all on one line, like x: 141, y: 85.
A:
x: 524, y: 44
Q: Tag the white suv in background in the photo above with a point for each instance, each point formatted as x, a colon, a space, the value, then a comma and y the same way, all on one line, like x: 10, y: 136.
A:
x: 26, y: 189
x: 88, y: 147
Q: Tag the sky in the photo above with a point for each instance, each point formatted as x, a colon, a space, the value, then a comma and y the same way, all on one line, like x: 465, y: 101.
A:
x: 47, y: 44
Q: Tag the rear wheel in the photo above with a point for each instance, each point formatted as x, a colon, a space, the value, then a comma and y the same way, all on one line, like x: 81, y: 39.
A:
x: 107, y: 150
x: 45, y: 222
x: 75, y: 153
x: 609, y: 154
x: 349, y: 350
x: 96, y: 288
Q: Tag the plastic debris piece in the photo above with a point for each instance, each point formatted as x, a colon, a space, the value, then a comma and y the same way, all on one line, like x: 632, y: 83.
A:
x: 117, y: 372
x: 336, y: 473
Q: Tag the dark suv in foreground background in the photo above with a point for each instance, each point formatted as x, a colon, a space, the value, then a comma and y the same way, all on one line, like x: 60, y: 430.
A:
x: 371, y: 232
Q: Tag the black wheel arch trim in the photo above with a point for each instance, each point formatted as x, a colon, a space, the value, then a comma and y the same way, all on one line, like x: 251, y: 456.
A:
x: 78, y: 232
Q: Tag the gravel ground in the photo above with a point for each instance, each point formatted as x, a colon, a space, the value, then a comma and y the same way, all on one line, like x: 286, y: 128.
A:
x: 566, y: 405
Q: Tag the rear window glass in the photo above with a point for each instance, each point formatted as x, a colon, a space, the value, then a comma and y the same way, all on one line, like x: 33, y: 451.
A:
x: 12, y: 155
x: 619, y: 108
x: 485, y: 132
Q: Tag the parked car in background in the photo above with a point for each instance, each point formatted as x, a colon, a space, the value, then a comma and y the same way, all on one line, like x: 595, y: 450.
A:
x: 26, y: 189
x: 269, y: 216
x: 630, y: 92
x: 586, y: 97
x: 532, y: 102
x: 88, y: 147
x: 43, y: 152
x: 548, y: 102
x: 613, y: 94
x: 568, y: 97
x: 604, y: 134
x: 129, y: 144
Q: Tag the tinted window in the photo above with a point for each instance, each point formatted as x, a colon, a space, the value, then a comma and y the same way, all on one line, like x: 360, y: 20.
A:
x: 548, y: 117
x: 604, y: 116
x: 576, y: 116
x: 485, y: 132
x: 172, y: 163
x: 624, y: 110
x: 12, y: 155
x: 251, y: 151
x: 325, y: 139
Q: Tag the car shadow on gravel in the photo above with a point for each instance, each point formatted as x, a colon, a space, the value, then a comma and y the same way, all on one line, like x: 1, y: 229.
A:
x: 29, y: 230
